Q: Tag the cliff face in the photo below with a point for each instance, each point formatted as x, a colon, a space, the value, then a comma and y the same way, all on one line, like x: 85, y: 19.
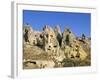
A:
x: 51, y: 48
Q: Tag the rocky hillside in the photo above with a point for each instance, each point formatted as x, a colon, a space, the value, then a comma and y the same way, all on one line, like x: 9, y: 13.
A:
x: 52, y: 48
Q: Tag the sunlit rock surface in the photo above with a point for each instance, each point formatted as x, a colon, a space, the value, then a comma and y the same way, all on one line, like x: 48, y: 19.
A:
x: 51, y: 48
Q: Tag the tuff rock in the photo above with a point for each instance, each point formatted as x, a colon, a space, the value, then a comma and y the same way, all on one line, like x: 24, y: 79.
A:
x: 52, y: 48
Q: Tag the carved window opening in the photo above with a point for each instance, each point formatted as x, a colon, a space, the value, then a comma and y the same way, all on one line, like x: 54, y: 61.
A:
x: 55, y: 46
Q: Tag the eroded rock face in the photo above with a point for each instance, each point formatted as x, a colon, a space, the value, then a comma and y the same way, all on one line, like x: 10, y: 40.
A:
x: 51, y: 44
x: 39, y: 63
x: 29, y: 35
x: 68, y: 37
x: 76, y: 53
x: 58, y: 34
x: 53, y: 48
x: 72, y: 49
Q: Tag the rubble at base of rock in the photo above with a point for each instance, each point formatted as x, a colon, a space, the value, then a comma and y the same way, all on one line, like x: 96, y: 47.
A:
x: 52, y: 48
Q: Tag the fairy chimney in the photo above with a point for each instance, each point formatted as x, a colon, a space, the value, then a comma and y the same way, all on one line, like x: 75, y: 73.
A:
x: 51, y: 44
x: 58, y: 34
x: 68, y: 37
x: 29, y: 35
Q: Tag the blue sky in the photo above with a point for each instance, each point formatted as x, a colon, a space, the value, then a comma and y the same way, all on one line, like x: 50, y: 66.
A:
x: 78, y: 22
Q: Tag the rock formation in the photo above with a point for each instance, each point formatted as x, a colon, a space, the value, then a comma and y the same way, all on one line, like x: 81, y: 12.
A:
x: 51, y: 44
x: 58, y: 34
x: 53, y: 48
x: 68, y: 38
x: 29, y: 35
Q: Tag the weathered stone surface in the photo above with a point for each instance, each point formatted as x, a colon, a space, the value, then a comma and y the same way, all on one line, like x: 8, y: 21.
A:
x: 72, y: 48
x: 29, y: 35
x: 51, y: 44
x: 53, y: 48
x: 58, y: 34
x: 68, y: 38
x: 39, y: 63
